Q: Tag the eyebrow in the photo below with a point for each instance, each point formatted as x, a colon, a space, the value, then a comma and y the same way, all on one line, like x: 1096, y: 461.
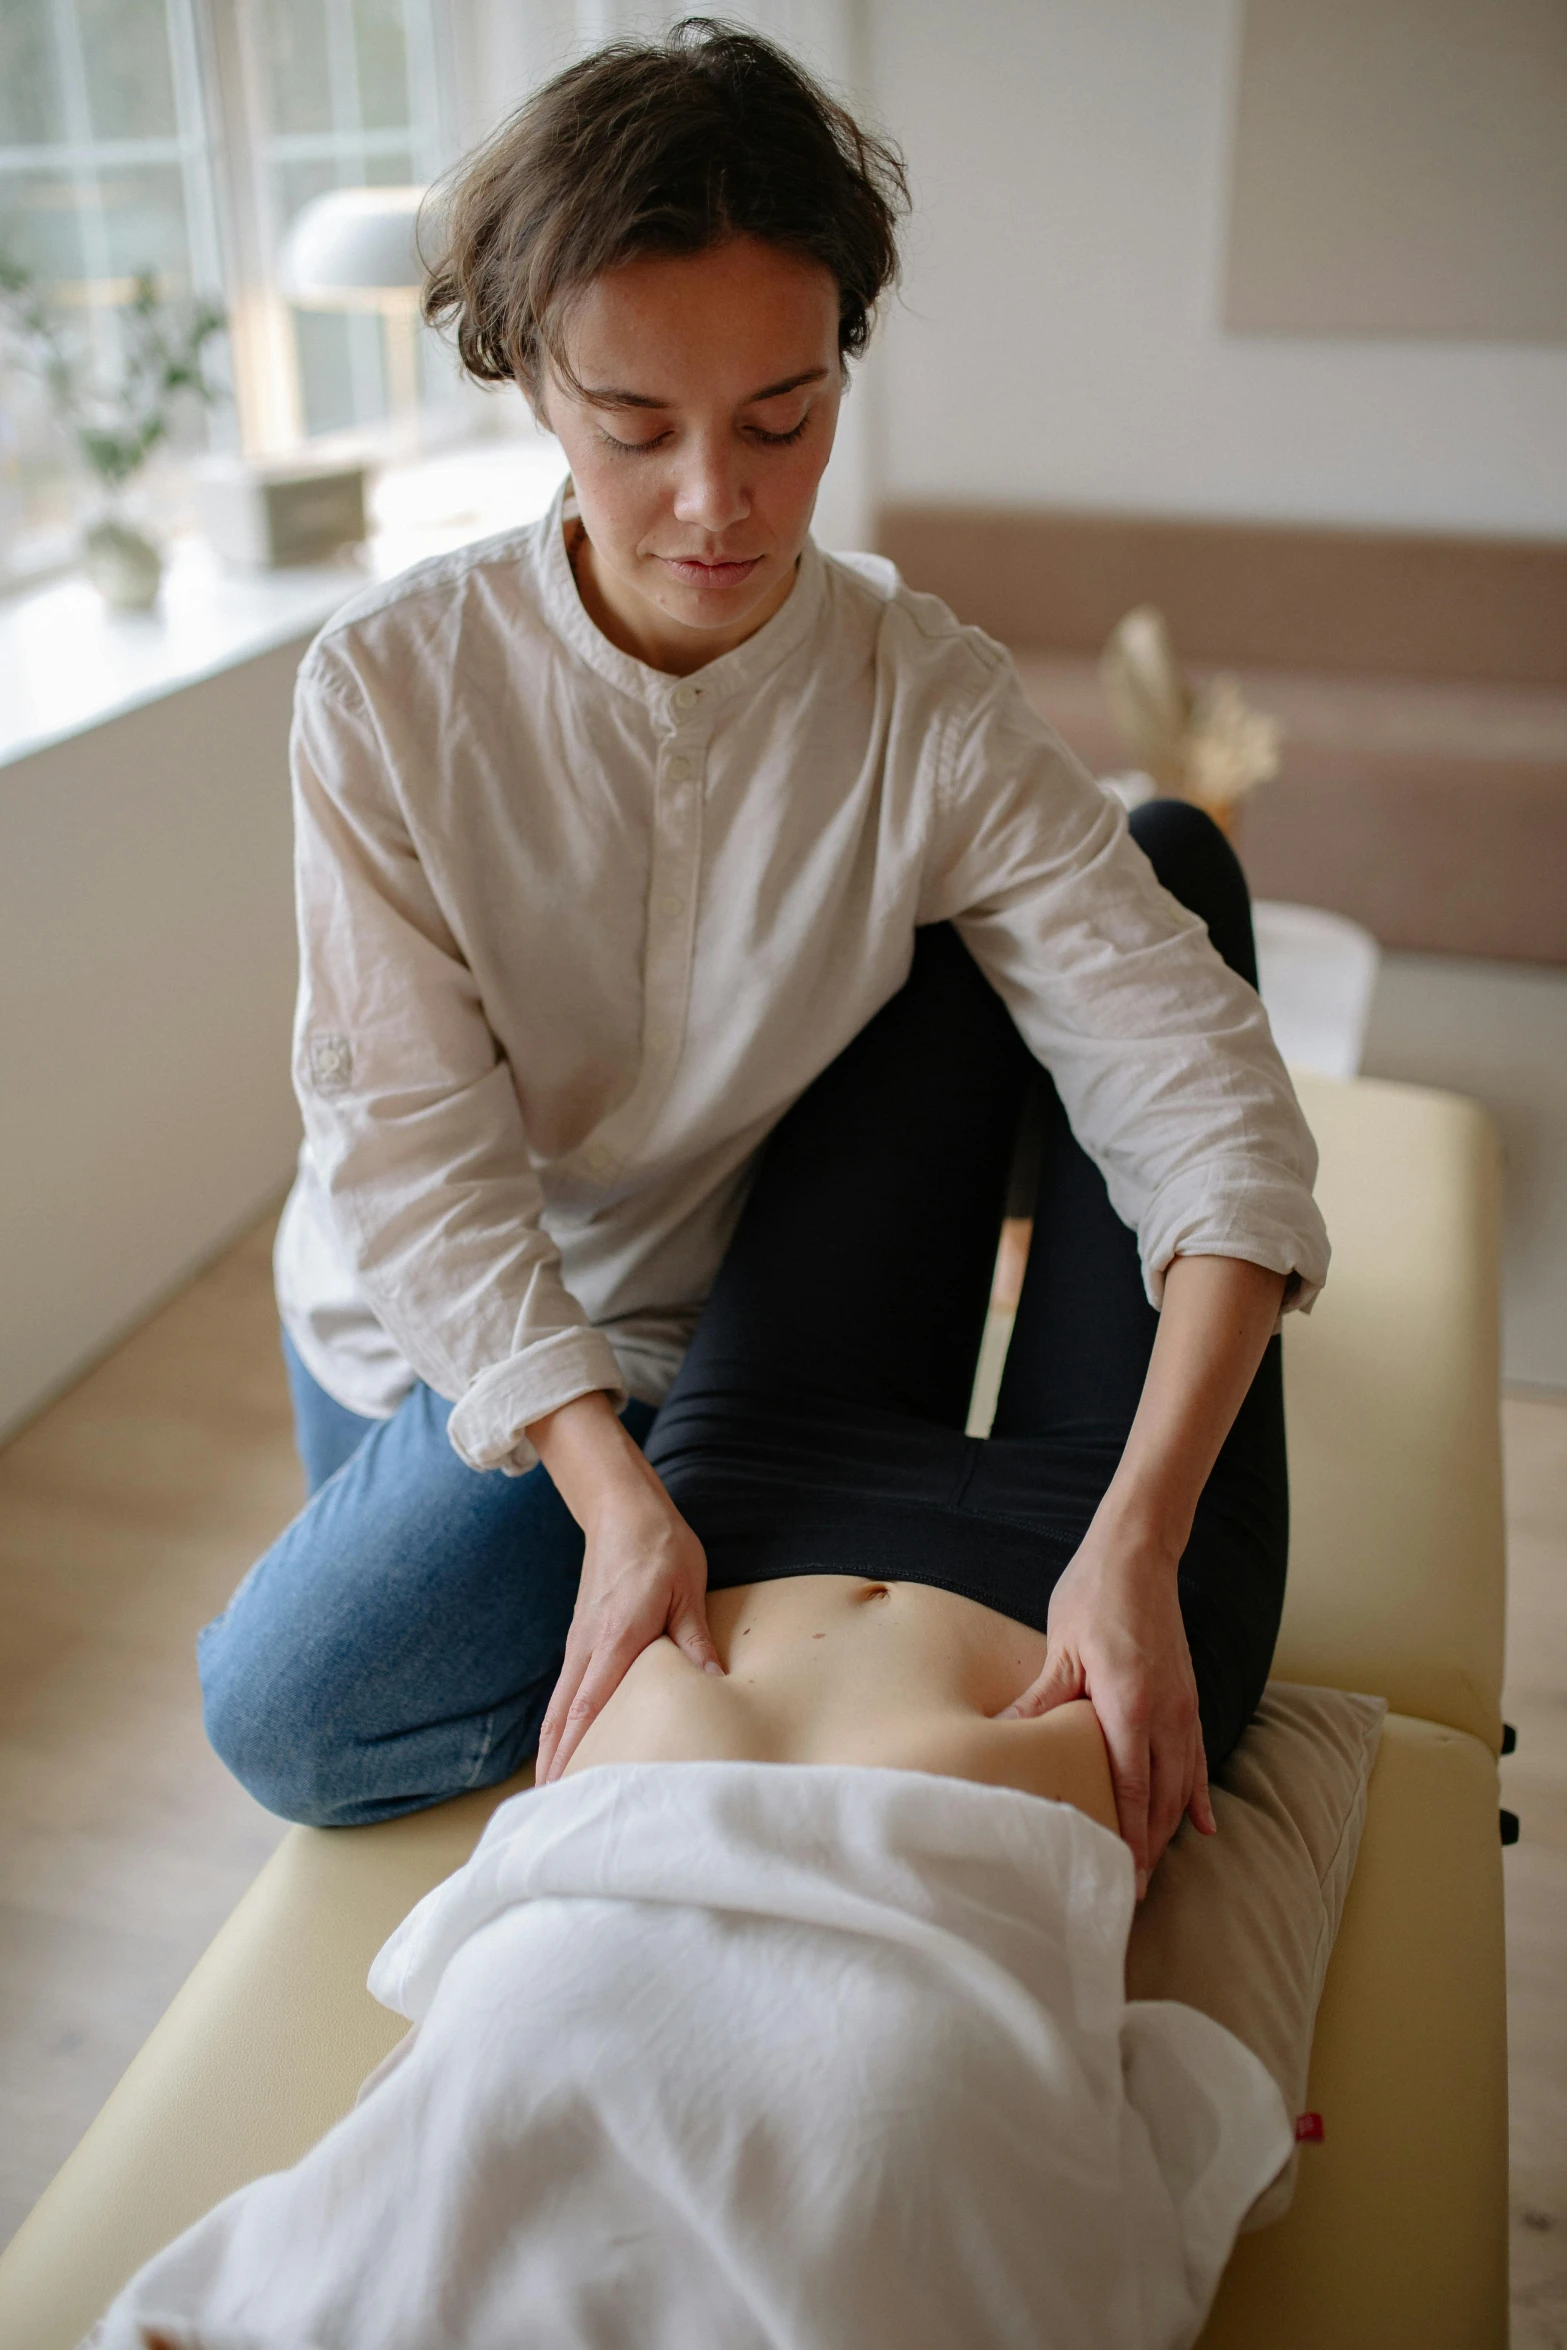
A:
x: 611, y: 396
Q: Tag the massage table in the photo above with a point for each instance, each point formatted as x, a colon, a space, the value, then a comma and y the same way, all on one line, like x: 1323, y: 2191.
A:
x: 1397, y: 2236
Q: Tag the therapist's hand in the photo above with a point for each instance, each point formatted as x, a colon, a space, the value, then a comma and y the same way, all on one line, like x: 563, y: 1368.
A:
x: 644, y: 1573
x: 1116, y: 1637
x: 1114, y: 1628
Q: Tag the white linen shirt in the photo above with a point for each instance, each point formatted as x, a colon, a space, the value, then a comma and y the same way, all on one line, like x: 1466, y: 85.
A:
x: 575, y: 933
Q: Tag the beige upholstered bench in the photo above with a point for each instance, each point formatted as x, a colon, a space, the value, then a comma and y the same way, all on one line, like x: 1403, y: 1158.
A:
x: 1397, y: 2237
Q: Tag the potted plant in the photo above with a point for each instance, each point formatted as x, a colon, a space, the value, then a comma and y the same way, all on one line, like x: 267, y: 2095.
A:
x: 115, y: 425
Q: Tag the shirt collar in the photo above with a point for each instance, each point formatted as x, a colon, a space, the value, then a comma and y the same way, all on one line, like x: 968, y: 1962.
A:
x: 735, y: 672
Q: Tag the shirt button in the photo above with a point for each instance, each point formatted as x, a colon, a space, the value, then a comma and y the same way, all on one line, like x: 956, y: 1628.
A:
x: 598, y: 1156
x: 681, y: 770
x: 673, y: 905
x: 687, y: 696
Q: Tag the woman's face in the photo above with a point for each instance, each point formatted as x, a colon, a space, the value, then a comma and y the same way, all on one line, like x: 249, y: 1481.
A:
x: 709, y: 395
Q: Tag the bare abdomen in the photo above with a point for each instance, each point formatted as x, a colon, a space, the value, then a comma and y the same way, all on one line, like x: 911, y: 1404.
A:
x: 836, y: 1669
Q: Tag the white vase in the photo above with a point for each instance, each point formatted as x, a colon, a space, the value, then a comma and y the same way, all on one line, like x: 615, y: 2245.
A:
x: 124, y: 565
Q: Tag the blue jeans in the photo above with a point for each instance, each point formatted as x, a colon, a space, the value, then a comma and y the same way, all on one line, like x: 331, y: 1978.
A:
x: 399, y: 1642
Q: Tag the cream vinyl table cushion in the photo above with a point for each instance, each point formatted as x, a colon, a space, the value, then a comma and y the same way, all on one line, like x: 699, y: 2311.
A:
x: 1396, y: 1582
x: 1397, y: 2235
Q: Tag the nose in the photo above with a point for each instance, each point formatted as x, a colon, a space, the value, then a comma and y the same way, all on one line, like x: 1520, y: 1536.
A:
x: 711, y: 491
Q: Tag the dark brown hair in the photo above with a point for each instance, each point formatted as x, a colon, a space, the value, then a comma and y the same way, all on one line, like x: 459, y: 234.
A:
x: 667, y: 146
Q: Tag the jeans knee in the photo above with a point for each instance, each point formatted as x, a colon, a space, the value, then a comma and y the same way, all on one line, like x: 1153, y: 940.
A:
x: 1196, y: 864
x: 272, y: 1738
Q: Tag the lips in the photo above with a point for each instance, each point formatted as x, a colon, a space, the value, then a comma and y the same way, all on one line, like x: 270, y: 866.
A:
x: 695, y: 571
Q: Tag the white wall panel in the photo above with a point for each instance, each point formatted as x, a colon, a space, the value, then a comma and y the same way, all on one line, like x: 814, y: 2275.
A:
x: 147, y: 966
x: 1400, y: 167
x: 1060, y: 340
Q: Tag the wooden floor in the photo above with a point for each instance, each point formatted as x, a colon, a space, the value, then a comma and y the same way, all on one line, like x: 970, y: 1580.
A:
x: 127, y: 1513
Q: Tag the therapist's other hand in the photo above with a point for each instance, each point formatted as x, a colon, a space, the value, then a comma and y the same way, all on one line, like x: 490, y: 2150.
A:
x: 1116, y: 1637
x: 1114, y: 1629
x: 644, y: 1573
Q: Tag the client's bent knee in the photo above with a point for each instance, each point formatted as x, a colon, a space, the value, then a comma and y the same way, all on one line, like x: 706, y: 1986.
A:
x: 1187, y: 850
x: 1196, y: 864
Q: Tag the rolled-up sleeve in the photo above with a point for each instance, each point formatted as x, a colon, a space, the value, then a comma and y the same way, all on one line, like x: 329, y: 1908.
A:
x: 1162, y: 1055
x: 410, y: 1110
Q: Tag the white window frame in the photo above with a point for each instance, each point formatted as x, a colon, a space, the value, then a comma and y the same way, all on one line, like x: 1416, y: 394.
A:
x: 264, y: 365
x: 224, y: 148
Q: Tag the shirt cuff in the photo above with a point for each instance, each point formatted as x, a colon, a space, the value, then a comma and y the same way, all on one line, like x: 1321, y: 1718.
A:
x: 1279, y: 1228
x: 486, y: 1426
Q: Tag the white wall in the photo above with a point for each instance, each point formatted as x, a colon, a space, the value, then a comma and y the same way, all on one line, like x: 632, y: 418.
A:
x: 147, y: 968
x: 1059, y: 342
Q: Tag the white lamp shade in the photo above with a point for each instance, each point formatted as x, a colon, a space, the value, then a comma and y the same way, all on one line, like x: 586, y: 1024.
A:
x: 355, y: 250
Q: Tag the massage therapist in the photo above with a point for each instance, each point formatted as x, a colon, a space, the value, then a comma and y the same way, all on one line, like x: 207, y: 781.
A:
x: 612, y: 832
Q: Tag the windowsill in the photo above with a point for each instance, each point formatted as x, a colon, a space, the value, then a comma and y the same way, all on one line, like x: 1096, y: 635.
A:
x: 67, y: 663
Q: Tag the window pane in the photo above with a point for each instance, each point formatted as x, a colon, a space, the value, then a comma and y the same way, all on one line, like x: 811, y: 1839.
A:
x: 339, y: 113
x: 76, y: 75
x: 342, y: 357
x: 39, y: 482
x: 144, y: 217
x: 297, y: 184
x: 125, y: 49
x: 40, y: 224
x: 331, y: 385
x: 30, y: 113
x: 381, y: 53
x: 395, y: 169
x: 294, y: 34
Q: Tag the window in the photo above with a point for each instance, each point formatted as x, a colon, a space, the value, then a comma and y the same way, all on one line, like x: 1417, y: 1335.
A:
x: 183, y: 137
x: 103, y: 171
x: 327, y: 94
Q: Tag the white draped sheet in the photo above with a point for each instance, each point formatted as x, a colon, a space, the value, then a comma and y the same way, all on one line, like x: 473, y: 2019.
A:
x: 718, y: 2056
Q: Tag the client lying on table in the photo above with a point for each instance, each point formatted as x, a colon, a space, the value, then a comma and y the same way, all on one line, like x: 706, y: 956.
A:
x: 789, y: 2014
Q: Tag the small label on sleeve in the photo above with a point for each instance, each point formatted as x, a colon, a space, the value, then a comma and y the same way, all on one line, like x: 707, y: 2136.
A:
x: 1309, y: 2130
x: 331, y: 1063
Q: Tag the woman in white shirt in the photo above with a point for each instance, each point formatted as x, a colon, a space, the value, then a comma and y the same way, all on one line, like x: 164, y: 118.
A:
x: 613, y: 834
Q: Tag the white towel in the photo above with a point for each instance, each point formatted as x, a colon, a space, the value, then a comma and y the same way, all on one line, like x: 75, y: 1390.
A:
x: 718, y: 2056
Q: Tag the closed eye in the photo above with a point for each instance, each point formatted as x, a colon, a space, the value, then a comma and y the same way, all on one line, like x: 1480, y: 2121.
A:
x: 754, y: 432
x: 632, y: 448
x: 780, y: 440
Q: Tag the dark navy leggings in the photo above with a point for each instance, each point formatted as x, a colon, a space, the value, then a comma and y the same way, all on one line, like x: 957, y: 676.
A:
x: 818, y: 1422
